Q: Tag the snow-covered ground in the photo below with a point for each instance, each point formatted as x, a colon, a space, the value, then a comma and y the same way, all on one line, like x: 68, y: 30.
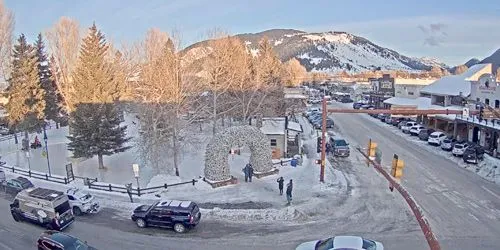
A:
x: 255, y: 201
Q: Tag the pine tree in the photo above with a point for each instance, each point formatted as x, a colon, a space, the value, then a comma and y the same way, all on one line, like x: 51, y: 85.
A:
x: 52, y: 98
x: 96, y: 130
x: 26, y: 104
x: 95, y: 122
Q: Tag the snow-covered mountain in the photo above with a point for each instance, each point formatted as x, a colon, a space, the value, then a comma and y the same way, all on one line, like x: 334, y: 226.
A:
x: 333, y: 51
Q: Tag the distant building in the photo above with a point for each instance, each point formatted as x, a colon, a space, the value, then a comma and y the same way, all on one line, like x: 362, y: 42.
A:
x: 283, y: 134
x: 381, y: 89
x: 410, y: 88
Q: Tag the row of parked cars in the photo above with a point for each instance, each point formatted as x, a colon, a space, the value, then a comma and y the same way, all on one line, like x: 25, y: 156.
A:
x: 314, y: 116
x: 470, y: 152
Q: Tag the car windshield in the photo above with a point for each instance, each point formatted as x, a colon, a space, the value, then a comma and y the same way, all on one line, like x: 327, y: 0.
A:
x: 340, y: 143
x: 85, y: 197
x: 69, y: 242
x: 369, y: 244
x: 63, y: 207
x: 26, y: 184
x: 324, y: 244
x: 458, y: 146
x: 433, y: 136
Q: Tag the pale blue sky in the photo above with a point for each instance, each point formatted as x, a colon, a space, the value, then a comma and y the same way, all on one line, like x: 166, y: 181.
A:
x: 452, y: 31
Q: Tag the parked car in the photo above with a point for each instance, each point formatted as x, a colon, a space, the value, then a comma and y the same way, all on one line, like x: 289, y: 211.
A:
x: 50, y: 240
x: 341, y: 242
x: 414, y: 130
x: 312, y: 110
x: 436, y: 138
x: 4, y: 130
x: 424, y: 134
x: 381, y: 117
x: 340, y: 147
x: 406, y: 127
x: 448, y: 143
x: 179, y: 215
x: 82, y: 202
x: 16, y: 185
x: 398, y: 120
x: 367, y: 106
x: 459, y: 148
x: 45, y: 207
x: 357, y: 105
x: 329, y: 123
x: 403, y: 122
x: 473, y: 154
x: 388, y: 119
x: 346, y: 100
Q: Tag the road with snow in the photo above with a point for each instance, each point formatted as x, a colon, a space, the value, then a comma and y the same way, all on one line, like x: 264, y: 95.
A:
x: 463, y: 209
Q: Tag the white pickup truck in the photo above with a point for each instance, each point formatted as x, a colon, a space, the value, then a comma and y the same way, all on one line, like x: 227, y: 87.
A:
x: 81, y: 202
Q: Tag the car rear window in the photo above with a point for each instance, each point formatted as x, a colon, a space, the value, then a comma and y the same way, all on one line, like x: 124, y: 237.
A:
x: 63, y: 207
x: 432, y: 136
x: 459, y: 146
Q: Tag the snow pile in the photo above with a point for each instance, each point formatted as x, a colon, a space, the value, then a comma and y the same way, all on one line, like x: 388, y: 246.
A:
x: 278, y: 42
x: 252, y: 215
x: 489, y: 169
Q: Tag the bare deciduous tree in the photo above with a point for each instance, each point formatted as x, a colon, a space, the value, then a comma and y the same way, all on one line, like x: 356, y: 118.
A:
x: 295, y: 72
x: 64, y: 43
x: 166, y: 95
x: 6, y: 28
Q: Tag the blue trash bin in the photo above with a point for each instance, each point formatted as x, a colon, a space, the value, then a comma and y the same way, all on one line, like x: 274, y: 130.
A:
x: 294, y: 162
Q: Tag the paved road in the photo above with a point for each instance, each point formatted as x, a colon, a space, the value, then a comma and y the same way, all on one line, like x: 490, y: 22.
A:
x: 463, y: 208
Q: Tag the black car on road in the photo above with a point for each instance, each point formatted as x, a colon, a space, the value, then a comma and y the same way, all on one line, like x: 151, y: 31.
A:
x: 16, y: 185
x: 55, y: 240
x: 179, y: 215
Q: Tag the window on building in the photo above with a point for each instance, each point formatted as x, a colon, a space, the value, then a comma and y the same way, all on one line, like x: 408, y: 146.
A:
x: 487, y: 101
x: 273, y: 143
x: 411, y: 93
x: 497, y: 104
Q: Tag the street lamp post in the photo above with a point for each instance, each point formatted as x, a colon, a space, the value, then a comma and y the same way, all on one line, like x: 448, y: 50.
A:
x: 46, y: 148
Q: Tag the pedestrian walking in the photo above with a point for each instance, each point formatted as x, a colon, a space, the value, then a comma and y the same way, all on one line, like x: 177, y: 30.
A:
x: 246, y: 172
x: 250, y: 172
x: 289, y: 188
x: 280, y: 181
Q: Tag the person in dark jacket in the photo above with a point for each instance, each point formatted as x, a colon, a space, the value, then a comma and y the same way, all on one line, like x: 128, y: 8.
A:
x: 289, y: 188
x: 246, y: 170
x: 280, y: 184
x: 250, y: 172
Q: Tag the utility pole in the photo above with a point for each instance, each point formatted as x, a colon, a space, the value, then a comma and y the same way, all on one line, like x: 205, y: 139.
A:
x: 323, y: 141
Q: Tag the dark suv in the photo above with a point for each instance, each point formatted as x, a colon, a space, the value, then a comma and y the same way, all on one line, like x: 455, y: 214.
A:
x: 179, y: 215
x: 473, y: 154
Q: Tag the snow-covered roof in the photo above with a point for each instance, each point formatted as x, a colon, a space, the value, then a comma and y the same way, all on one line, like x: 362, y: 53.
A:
x: 421, y: 102
x: 456, y: 84
x: 294, y: 126
x: 474, y: 72
x: 295, y: 96
x: 450, y: 86
x: 273, y: 126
